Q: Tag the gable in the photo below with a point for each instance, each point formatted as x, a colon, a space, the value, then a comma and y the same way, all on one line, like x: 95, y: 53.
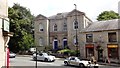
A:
x: 73, y: 12
x: 40, y: 17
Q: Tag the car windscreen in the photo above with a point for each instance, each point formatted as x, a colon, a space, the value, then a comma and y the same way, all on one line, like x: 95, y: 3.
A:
x: 45, y: 54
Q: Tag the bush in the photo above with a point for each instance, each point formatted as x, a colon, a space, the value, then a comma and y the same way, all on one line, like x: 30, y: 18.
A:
x: 68, y: 52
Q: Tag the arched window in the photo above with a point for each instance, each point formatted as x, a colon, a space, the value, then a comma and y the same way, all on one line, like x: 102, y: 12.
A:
x: 41, y: 41
x: 75, y: 24
x: 55, y: 27
x: 41, y: 27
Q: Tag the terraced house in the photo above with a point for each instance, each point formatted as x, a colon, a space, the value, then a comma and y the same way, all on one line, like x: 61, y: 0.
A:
x: 101, y: 39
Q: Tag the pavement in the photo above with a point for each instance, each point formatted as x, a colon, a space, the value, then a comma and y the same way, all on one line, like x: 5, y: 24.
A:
x: 109, y: 64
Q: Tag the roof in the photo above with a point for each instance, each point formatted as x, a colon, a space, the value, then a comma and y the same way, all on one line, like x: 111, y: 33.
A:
x: 38, y: 16
x: 59, y: 15
x: 102, y: 25
x: 63, y: 15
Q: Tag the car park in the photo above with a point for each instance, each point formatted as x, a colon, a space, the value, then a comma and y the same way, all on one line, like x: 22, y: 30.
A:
x: 78, y: 62
x: 43, y: 57
x: 12, y: 55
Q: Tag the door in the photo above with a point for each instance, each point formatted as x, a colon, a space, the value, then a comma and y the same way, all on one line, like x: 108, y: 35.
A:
x: 40, y: 57
x: 72, y: 61
x: 100, y: 55
x: 55, y: 45
x: 64, y: 43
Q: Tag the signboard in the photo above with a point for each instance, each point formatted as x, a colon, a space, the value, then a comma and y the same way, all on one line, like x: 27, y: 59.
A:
x: 6, y: 25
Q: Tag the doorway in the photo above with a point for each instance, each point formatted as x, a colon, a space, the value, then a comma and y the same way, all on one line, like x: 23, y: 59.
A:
x: 100, y: 55
x: 55, y: 44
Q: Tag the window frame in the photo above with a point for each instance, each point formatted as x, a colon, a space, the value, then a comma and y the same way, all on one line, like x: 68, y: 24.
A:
x: 40, y: 41
x: 75, y: 26
x: 64, y: 27
x: 112, y: 37
x: 41, y: 28
x: 55, y: 27
x: 91, y: 38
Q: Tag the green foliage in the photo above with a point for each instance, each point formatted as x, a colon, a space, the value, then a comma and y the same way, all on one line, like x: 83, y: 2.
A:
x: 108, y: 15
x: 21, y: 23
x: 68, y: 52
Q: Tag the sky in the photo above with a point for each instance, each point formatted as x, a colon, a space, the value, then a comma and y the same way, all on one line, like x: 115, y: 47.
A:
x: 92, y: 8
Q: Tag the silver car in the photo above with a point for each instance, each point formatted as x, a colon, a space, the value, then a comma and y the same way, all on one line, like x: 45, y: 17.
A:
x: 43, y: 57
x: 77, y: 62
x: 12, y: 55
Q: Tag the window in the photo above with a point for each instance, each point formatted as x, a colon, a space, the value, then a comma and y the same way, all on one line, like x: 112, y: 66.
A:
x: 113, y: 53
x: 55, y: 27
x: 41, y: 41
x: 65, y: 27
x: 72, y: 58
x: 75, y: 25
x: 89, y: 37
x: 112, y: 37
x: 40, y: 27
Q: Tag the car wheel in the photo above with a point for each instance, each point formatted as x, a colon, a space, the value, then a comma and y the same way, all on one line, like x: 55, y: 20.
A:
x: 81, y: 65
x: 45, y: 59
x: 65, y: 63
x: 34, y: 58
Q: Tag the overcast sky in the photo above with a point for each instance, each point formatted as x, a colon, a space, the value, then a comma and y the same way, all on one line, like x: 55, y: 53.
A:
x: 92, y: 8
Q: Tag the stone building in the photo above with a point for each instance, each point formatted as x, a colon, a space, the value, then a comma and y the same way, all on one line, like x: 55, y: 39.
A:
x: 101, y: 39
x: 4, y: 32
x: 60, y: 30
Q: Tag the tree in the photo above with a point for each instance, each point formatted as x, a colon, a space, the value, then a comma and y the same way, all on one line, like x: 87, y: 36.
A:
x: 21, y: 21
x: 108, y: 15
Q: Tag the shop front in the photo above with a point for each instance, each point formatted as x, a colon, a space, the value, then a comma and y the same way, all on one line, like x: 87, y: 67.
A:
x: 89, y: 50
x: 113, y: 51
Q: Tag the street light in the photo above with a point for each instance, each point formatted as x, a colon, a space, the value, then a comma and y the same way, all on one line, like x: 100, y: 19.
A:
x: 36, y: 57
x: 76, y: 27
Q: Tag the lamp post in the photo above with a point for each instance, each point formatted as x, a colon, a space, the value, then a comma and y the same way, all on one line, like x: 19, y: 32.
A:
x: 76, y: 27
x: 36, y: 58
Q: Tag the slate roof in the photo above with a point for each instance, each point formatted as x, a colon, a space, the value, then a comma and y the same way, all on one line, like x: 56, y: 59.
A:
x: 102, y: 25
x: 63, y: 15
x: 59, y: 15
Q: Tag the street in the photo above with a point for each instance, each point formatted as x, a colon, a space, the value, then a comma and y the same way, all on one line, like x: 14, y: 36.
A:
x: 27, y: 62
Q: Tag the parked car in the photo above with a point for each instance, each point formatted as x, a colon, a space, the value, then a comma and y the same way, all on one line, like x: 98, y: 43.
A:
x: 12, y: 55
x: 78, y: 62
x: 43, y: 57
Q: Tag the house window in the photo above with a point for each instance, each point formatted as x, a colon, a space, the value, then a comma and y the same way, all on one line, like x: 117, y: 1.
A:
x: 41, y: 41
x: 55, y: 27
x: 65, y: 27
x: 75, y: 25
x: 112, y: 37
x: 40, y: 27
x: 89, y: 38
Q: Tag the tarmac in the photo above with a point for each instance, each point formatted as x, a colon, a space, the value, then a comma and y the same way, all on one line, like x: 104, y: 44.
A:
x: 101, y: 63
